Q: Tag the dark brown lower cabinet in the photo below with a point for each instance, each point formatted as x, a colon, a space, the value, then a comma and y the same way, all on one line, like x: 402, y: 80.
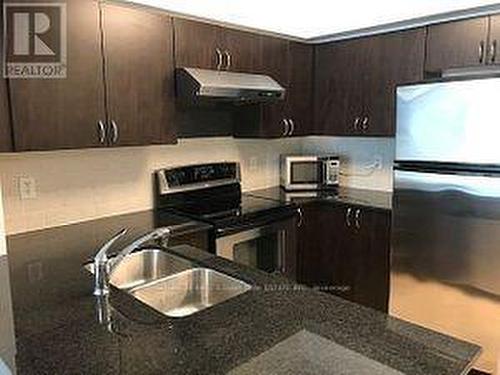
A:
x: 290, y: 268
x: 344, y: 250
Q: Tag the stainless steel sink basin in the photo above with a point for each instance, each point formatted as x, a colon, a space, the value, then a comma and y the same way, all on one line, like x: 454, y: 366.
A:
x: 190, y: 291
x: 144, y: 267
x: 171, y: 285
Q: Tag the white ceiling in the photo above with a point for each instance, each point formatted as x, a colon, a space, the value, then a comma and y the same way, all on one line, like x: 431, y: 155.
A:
x: 314, y: 18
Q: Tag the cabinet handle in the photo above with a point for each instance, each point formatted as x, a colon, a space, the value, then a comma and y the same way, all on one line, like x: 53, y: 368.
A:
x: 481, y: 52
x: 301, y: 217
x: 218, y: 54
x: 357, y: 218
x: 228, y: 60
x: 348, y: 216
x: 115, y: 131
x: 292, y: 125
x: 365, y: 124
x: 286, y: 127
x: 356, y: 122
x: 102, y: 131
x: 493, y: 51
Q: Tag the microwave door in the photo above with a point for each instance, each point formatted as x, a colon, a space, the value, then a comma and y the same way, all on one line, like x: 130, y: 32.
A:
x: 306, y: 174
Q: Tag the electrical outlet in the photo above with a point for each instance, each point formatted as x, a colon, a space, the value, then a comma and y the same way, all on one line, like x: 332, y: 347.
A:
x: 378, y: 162
x: 27, y: 188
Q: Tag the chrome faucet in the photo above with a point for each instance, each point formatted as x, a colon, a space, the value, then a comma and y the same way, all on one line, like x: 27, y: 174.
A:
x: 104, y: 266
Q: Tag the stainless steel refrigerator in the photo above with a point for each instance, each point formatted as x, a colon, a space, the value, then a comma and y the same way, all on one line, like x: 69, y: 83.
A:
x: 446, y: 222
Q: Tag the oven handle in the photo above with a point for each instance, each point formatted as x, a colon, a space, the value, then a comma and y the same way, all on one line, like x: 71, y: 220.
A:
x: 225, y: 244
x: 300, y: 222
x: 282, y: 244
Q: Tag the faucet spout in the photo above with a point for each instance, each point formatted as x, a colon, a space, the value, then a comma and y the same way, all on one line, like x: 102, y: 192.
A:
x: 156, y: 235
x: 103, y: 266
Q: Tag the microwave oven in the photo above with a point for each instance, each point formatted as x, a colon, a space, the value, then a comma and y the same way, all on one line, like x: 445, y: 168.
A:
x: 308, y: 172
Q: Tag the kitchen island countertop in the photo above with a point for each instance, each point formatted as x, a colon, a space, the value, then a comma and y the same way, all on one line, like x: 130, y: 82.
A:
x: 277, y: 327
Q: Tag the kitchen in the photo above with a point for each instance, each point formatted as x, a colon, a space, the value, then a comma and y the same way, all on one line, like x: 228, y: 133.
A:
x: 284, y: 170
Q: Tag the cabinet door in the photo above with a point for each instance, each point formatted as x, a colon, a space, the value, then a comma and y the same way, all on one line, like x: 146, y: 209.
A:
x: 371, y: 265
x: 319, y: 242
x: 139, y: 75
x: 241, y: 51
x: 52, y: 114
x: 355, y: 82
x: 274, y: 62
x: 393, y: 59
x: 291, y: 247
x: 456, y: 44
x: 299, y: 91
x: 494, y: 47
x: 338, y: 87
x: 196, y: 44
x: 5, y: 129
x: 345, y: 251
x: 266, y: 120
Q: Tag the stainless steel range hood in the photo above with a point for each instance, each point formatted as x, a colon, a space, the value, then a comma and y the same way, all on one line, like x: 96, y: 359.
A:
x: 217, y: 85
x: 472, y: 72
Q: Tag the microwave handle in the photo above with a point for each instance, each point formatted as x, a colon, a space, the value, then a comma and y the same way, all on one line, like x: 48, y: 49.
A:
x: 326, y: 176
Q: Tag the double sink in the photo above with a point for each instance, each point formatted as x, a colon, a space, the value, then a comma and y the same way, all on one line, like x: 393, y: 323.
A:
x: 172, y: 285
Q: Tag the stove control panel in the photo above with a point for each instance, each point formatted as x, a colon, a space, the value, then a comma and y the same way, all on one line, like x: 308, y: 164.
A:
x: 197, y: 176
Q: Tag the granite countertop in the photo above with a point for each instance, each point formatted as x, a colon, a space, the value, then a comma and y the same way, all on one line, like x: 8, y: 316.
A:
x: 277, y: 327
x: 373, y: 199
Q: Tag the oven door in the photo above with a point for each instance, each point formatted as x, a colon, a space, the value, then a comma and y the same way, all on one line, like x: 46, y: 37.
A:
x: 270, y: 248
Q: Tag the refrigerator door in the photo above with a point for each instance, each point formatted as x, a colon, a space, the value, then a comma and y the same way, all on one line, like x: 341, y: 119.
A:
x: 446, y: 256
x: 454, y: 122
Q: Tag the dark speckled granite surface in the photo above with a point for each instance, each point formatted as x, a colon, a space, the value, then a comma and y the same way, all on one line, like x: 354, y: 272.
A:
x: 372, y: 199
x: 56, y: 329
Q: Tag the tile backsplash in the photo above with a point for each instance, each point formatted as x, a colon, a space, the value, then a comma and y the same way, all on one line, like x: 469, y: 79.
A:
x: 72, y: 186
x: 77, y: 185
x: 366, y: 163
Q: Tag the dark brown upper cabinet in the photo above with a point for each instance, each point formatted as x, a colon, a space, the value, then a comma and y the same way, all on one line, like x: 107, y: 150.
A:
x: 299, y: 99
x: 394, y: 59
x: 206, y: 46
x: 240, y: 51
x: 197, y: 45
x: 338, y: 87
x: 274, y: 62
x: 494, y: 41
x: 457, y: 44
x: 291, y: 64
x: 5, y: 128
x: 64, y: 113
x: 137, y: 85
x: 355, y: 82
x: 138, y: 49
